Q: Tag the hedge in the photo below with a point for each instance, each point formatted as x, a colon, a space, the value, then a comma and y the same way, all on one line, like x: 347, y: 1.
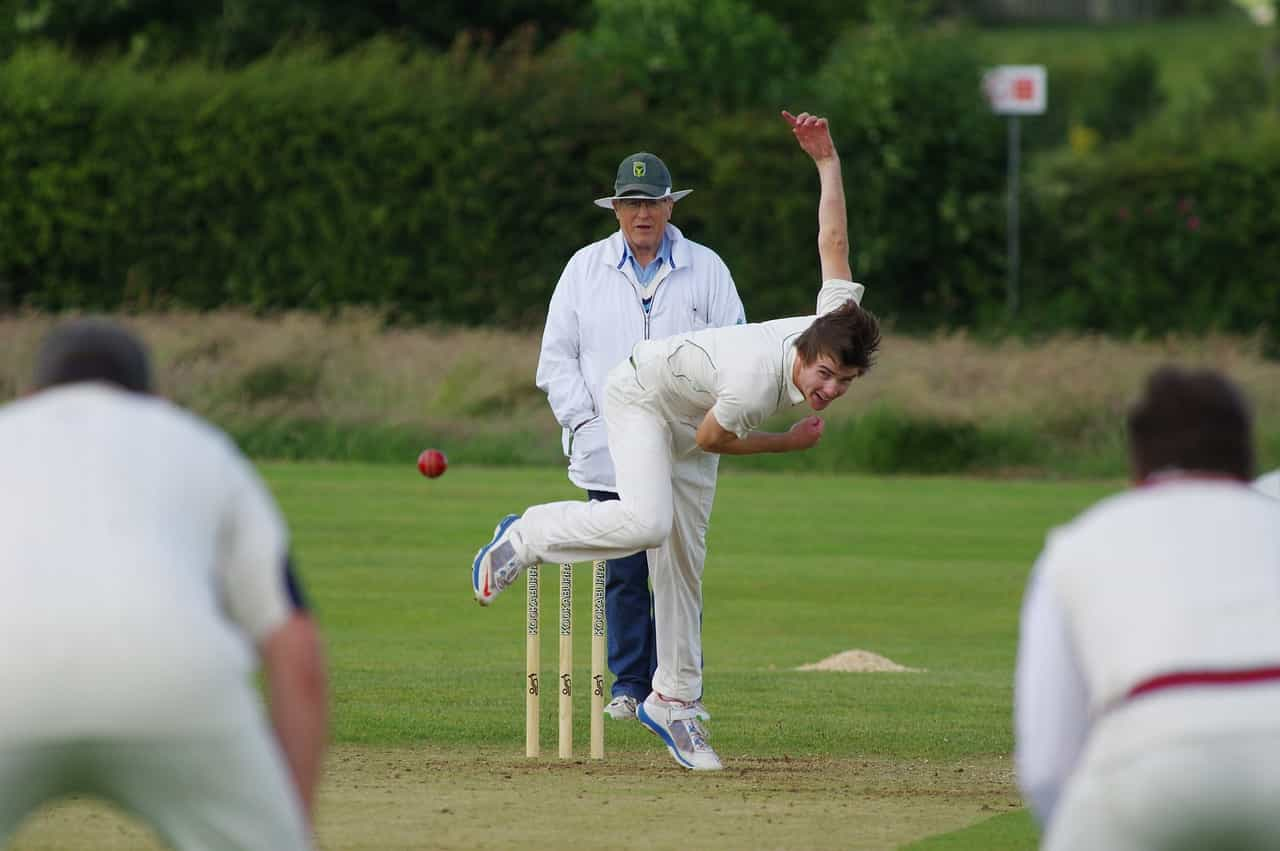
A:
x: 453, y: 187
x: 1150, y: 244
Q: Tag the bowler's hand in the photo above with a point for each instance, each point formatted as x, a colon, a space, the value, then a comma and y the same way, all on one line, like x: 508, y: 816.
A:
x: 813, y: 134
x: 806, y: 433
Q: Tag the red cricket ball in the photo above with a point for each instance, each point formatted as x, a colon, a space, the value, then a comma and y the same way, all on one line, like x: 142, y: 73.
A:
x: 432, y: 463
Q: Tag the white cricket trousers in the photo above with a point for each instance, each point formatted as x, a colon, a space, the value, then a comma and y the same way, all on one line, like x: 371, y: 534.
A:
x: 226, y: 790
x: 1190, y: 768
x: 1219, y: 794
x: 666, y: 486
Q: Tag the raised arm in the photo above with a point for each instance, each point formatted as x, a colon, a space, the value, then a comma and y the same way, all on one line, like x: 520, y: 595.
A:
x: 814, y: 137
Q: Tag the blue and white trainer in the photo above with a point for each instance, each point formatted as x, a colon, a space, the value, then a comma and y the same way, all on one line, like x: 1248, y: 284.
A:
x: 676, y: 723
x: 496, y: 566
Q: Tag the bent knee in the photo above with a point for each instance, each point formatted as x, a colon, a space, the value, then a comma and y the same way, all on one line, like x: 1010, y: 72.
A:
x: 649, y: 531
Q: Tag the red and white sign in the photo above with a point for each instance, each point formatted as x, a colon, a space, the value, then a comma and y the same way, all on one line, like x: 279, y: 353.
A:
x: 1017, y: 89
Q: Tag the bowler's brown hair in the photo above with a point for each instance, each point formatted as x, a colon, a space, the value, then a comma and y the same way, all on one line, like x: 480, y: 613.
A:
x: 1194, y: 420
x: 849, y: 335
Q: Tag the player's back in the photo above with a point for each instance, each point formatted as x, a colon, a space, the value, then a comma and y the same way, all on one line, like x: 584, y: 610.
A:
x: 111, y: 512
x: 1173, y: 579
x: 690, y: 370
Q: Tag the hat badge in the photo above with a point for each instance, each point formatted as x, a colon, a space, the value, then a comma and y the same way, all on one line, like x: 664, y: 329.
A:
x: 637, y: 168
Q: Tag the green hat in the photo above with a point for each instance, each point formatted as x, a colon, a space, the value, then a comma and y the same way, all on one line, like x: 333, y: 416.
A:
x: 642, y: 175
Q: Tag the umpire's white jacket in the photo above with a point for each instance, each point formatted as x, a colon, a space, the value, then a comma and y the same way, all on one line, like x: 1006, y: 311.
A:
x: 597, y: 314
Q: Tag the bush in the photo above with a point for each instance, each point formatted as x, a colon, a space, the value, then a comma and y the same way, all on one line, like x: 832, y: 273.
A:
x: 695, y: 56
x: 924, y: 161
x: 455, y: 187
x: 1126, y: 94
x: 237, y: 31
x: 1135, y: 241
x: 432, y: 186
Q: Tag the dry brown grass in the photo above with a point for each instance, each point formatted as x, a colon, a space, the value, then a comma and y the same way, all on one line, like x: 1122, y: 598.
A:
x: 1061, y: 384
x: 353, y: 369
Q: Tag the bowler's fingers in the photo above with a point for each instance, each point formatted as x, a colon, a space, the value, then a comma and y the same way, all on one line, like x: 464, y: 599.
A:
x: 801, y: 119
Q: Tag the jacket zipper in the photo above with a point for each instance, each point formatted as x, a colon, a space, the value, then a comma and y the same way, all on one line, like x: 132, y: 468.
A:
x: 647, y: 313
x: 640, y: 301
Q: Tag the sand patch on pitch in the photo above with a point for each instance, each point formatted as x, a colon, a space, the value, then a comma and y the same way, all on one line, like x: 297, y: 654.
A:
x: 858, y: 661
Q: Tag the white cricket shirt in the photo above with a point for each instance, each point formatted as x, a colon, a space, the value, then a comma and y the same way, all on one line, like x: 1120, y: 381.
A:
x: 742, y: 373
x: 142, y: 560
x: 1178, y: 576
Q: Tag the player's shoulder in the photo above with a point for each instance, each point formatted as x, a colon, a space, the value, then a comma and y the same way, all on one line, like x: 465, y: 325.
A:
x: 187, y: 421
x: 1097, y: 519
x: 167, y: 423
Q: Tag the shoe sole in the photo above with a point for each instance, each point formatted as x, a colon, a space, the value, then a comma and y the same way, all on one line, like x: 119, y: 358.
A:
x: 656, y: 728
x: 631, y: 716
x: 613, y: 717
x: 478, y: 562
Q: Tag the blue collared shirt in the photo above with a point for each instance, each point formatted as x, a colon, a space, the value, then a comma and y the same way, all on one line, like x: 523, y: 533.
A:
x: 644, y: 274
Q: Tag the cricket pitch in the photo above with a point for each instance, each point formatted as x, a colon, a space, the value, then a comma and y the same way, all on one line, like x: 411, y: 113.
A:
x: 412, y: 798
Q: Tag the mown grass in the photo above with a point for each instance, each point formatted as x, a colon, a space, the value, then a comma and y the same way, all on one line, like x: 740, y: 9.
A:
x: 346, y: 387
x: 926, y: 571
x: 1006, y: 832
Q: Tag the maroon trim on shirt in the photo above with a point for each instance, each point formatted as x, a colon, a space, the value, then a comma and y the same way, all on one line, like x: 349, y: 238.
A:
x: 1203, y: 678
x: 1171, y: 476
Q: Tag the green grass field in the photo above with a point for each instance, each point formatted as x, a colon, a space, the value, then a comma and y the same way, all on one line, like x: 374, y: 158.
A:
x: 427, y: 686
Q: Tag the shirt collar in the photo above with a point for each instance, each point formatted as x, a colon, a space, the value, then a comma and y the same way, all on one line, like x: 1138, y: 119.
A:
x: 666, y: 250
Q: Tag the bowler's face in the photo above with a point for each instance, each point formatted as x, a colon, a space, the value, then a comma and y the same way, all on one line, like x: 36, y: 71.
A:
x: 823, y: 381
x: 643, y: 220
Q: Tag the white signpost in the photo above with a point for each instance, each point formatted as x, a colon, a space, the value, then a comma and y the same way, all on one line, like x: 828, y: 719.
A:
x: 1014, y: 91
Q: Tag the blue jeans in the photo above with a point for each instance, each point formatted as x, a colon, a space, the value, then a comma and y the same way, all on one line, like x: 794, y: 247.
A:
x: 633, y: 654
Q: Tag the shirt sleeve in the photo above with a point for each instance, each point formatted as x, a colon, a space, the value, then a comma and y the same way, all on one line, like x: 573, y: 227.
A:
x: 1051, y: 712
x: 559, y: 373
x: 835, y: 293
x: 255, y: 568
x: 736, y: 407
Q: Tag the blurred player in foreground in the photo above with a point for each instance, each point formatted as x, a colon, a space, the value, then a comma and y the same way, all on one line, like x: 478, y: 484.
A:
x: 670, y: 409
x: 144, y: 575
x: 1147, y: 700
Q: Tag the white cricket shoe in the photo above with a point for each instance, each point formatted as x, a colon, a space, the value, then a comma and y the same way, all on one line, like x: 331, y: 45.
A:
x: 622, y: 708
x: 496, y: 566
x: 676, y: 723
